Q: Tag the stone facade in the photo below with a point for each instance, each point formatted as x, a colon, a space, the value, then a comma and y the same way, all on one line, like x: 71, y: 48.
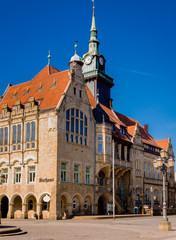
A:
x: 58, y: 137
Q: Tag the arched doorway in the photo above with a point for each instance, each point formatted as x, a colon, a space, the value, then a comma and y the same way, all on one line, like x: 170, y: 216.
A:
x: 102, y: 205
x: 17, y: 207
x: 4, y: 207
x: 31, y: 206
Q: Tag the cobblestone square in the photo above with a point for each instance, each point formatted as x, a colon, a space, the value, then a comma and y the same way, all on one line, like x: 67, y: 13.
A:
x: 94, y: 229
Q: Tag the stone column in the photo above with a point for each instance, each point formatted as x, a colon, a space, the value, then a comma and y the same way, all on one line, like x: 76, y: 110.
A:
x: 24, y: 211
x: 125, y: 153
x: 82, y: 208
x: 39, y: 210
x: 10, y: 211
x: 120, y: 151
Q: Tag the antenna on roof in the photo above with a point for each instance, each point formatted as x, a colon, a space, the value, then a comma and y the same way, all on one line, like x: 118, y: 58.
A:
x: 49, y: 57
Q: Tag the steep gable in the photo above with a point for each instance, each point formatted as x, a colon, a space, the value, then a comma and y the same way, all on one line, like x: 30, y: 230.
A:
x: 47, y: 87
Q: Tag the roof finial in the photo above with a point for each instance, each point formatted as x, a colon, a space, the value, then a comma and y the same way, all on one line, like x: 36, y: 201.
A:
x: 76, y: 45
x: 93, y: 4
x: 93, y: 33
x: 49, y: 57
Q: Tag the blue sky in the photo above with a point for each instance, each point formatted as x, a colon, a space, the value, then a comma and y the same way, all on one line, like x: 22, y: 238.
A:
x: 136, y: 37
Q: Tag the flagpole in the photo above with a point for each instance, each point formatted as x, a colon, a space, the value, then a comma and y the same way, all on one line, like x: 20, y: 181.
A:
x: 113, y: 182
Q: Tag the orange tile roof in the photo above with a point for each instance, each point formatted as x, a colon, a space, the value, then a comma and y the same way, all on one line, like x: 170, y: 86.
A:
x: 163, y: 143
x: 112, y: 115
x: 48, y: 96
x: 131, y: 123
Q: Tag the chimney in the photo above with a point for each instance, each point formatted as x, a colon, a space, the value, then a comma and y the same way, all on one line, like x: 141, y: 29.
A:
x: 146, y: 127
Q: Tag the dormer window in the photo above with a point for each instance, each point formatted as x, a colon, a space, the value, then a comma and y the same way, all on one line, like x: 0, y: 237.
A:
x: 15, y: 94
x: 122, y: 130
x: 40, y: 88
x: 27, y: 91
x: 54, y: 83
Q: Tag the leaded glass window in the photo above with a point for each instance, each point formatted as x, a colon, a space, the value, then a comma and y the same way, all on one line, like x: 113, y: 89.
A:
x: 76, y: 126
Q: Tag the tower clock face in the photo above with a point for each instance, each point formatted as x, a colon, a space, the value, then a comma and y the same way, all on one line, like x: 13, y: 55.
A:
x: 88, y: 59
x: 101, y: 61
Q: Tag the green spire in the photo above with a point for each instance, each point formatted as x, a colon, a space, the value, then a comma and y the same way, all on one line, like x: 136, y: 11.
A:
x: 93, y: 43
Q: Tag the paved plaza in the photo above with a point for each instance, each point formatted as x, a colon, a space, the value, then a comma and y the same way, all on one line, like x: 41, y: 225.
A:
x: 94, y: 229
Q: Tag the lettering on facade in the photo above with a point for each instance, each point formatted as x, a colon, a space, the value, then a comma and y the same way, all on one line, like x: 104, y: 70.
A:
x: 46, y: 180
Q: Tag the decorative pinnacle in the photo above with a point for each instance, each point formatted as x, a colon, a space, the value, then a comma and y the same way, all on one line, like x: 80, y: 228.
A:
x: 93, y: 4
x: 76, y: 46
x: 49, y: 57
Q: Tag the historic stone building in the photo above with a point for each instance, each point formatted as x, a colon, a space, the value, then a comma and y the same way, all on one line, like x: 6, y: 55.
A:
x: 56, y: 140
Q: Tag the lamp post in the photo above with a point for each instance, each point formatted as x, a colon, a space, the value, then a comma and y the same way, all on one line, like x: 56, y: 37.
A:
x: 162, y: 163
x: 151, y: 190
x: 2, y: 179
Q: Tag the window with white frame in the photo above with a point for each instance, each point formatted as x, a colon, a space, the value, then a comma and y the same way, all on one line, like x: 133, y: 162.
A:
x: 31, y: 174
x: 76, y: 127
x: 4, y: 172
x: 100, y: 144
x: 63, y: 172
x: 76, y: 173
x: 87, y: 175
x: 17, y: 175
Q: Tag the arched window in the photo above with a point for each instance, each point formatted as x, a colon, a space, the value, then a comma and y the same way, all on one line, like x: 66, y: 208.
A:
x: 74, y: 204
x: 76, y: 127
x: 101, y: 179
x: 147, y: 195
x: 155, y: 196
x: 137, y: 194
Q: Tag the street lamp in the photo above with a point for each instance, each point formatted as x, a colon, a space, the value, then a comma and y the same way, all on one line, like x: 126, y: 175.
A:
x: 162, y: 163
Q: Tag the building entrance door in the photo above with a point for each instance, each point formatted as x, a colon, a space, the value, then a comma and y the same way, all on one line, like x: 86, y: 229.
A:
x: 4, y: 207
x: 102, y: 205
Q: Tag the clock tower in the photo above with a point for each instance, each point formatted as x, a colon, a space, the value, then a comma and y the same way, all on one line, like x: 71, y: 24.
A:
x: 98, y: 82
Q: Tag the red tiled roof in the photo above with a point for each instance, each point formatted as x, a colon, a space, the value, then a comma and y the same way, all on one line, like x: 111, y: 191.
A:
x: 131, y: 123
x: 112, y: 115
x: 48, y: 96
x: 163, y: 143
